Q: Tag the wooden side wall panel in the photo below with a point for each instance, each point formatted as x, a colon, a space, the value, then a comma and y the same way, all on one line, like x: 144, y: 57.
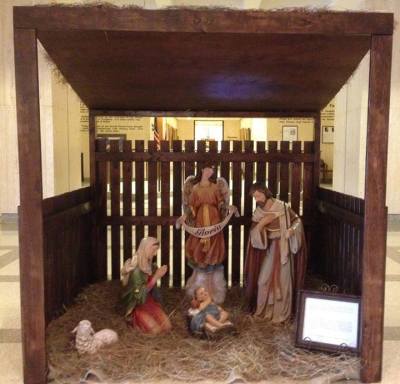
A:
x: 337, y: 244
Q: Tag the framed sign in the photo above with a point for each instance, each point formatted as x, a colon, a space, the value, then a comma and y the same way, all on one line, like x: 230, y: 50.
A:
x: 328, y: 321
x: 289, y: 133
x: 113, y: 136
x: 209, y: 130
x: 327, y: 134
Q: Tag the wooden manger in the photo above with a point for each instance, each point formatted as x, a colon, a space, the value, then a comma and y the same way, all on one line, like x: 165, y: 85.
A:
x: 245, y: 64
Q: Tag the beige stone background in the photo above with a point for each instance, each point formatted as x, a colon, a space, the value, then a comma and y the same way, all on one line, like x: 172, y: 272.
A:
x: 64, y: 119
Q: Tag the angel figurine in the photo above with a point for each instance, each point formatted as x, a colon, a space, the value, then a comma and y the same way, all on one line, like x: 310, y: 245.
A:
x: 206, y: 211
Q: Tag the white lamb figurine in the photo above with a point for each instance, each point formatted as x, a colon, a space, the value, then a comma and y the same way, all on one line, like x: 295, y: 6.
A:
x: 87, y: 341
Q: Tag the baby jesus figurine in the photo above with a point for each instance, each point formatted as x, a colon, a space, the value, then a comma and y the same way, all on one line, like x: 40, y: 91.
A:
x: 205, y: 315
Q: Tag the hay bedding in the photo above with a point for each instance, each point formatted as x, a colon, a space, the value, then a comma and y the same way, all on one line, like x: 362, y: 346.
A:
x: 259, y: 351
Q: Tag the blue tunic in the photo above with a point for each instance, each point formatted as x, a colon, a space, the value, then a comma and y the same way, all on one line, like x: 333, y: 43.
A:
x: 197, y: 322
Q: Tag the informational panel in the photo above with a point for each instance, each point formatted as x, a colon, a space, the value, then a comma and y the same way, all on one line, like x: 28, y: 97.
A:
x: 327, y: 134
x: 210, y: 130
x: 328, y: 115
x: 328, y: 321
x: 134, y: 128
x: 331, y: 321
x: 305, y: 132
x: 129, y: 128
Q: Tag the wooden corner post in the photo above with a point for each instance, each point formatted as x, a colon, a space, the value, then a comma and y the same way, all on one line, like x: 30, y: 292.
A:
x: 92, y: 147
x: 375, y: 219
x: 31, y: 247
x: 313, y: 237
x: 317, y: 150
x: 98, y: 183
x: 92, y: 177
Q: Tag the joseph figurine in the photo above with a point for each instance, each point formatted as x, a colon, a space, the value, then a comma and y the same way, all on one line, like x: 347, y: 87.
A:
x: 275, y: 257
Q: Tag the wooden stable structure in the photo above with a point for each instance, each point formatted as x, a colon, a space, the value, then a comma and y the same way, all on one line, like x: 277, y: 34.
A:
x: 188, y: 62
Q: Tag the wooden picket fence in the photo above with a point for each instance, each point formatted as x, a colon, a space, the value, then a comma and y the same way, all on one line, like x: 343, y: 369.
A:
x: 288, y: 171
x: 74, y: 219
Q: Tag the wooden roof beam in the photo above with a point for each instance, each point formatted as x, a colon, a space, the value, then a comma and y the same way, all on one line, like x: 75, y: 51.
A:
x: 283, y: 114
x: 110, y: 18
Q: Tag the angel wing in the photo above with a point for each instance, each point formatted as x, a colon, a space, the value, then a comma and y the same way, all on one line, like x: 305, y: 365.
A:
x: 186, y: 192
x: 223, y: 188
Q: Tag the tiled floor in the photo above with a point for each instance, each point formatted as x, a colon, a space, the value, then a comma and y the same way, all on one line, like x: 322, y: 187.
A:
x: 10, y: 322
x: 10, y: 318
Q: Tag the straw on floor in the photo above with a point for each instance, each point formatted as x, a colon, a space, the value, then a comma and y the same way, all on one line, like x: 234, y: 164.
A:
x: 259, y: 351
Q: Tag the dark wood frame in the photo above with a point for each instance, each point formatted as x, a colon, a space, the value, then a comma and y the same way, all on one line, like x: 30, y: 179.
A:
x: 302, y: 295
x: 28, y: 20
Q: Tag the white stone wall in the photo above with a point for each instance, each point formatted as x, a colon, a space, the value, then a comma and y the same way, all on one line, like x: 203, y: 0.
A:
x: 67, y: 139
x: 393, y: 177
x: 9, y: 191
x: 351, y: 118
x: 46, y: 123
x: 9, y: 186
x: 350, y: 133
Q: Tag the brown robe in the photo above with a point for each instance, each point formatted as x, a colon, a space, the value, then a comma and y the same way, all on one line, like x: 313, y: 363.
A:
x: 270, y: 294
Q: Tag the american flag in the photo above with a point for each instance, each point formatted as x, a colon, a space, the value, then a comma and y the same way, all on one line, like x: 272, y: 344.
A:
x: 156, y: 134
